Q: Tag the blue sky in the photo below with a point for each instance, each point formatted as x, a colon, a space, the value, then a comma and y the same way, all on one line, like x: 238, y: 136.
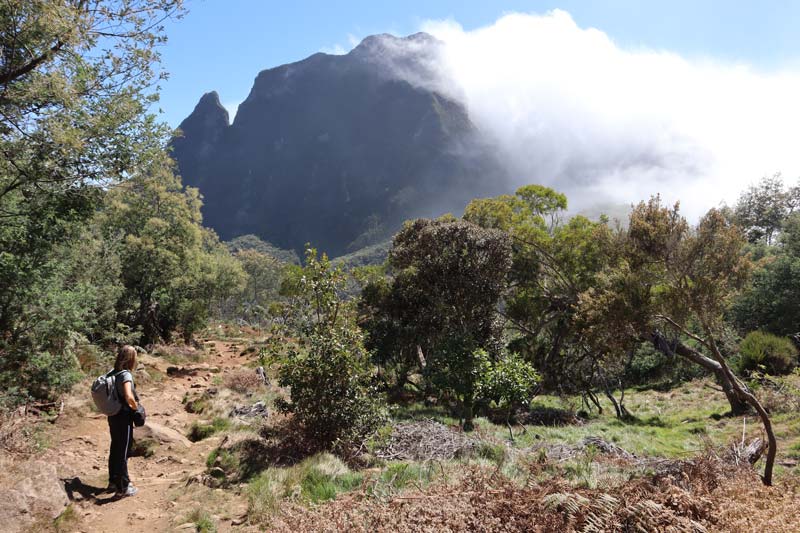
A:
x: 222, y: 44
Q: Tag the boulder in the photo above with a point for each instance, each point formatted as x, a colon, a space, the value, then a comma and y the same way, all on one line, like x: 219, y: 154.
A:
x: 160, y: 434
x: 40, y: 494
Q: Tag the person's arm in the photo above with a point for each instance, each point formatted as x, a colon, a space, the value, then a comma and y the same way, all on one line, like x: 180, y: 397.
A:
x: 127, y: 389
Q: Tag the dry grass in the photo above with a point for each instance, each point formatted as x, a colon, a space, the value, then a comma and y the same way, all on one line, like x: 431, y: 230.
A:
x: 244, y: 381
x: 695, y: 496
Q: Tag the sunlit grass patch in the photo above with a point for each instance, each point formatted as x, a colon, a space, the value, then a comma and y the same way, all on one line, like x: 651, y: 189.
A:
x: 200, y: 431
x: 315, y: 480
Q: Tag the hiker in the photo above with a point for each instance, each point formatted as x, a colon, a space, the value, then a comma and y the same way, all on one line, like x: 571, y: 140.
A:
x: 121, y: 424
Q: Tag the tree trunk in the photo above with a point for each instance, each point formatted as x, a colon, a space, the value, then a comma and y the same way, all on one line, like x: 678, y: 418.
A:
x: 737, y: 403
x: 468, y: 406
x: 744, y: 393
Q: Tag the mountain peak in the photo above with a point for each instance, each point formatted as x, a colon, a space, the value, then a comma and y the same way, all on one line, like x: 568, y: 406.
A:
x: 337, y: 150
x: 210, y: 106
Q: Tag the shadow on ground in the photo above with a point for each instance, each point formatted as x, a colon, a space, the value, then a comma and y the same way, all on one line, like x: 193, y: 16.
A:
x: 77, y: 490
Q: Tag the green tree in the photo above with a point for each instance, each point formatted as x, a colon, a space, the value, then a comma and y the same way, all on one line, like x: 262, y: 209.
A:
x: 264, y: 275
x: 449, y: 277
x: 509, y: 382
x: 76, y: 80
x: 669, y: 275
x: 553, y: 263
x: 769, y: 303
x: 172, y: 268
x: 762, y: 208
x: 328, y: 371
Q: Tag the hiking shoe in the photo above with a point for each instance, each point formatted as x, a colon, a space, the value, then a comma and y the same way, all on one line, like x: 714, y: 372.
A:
x: 130, y: 491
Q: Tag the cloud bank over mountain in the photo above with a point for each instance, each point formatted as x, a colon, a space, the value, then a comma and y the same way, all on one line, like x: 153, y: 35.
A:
x: 570, y: 108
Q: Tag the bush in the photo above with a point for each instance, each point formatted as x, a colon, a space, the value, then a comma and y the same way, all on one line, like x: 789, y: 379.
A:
x: 331, y: 389
x: 244, y: 381
x: 328, y: 372
x: 768, y: 353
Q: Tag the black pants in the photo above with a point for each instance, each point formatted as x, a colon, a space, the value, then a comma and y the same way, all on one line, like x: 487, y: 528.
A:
x: 121, y: 428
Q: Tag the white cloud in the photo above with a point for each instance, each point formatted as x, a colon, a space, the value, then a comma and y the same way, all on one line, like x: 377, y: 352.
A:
x: 233, y: 108
x: 339, y: 49
x: 573, y: 110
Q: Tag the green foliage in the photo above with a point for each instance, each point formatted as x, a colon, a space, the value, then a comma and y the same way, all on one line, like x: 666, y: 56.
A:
x: 316, y: 479
x: 263, y: 278
x: 650, y: 367
x: 202, y: 520
x: 768, y: 353
x: 762, y: 209
x: 770, y: 302
x: 70, y: 307
x: 553, y: 263
x: 253, y: 243
x: 172, y: 268
x: 328, y: 372
x: 449, y: 278
x: 224, y: 459
x: 74, y: 122
x: 496, y: 453
x: 509, y: 381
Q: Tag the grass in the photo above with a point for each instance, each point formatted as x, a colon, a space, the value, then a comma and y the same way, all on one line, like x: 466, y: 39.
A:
x: 675, y: 423
x: 400, y: 475
x: 202, y: 521
x: 200, y: 431
x: 67, y: 520
x: 315, y: 480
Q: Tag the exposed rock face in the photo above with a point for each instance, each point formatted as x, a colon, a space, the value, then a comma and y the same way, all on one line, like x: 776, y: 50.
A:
x: 337, y: 150
x: 40, y: 494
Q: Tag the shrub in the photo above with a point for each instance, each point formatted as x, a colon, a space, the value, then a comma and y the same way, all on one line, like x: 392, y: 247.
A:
x: 244, y: 381
x: 202, y: 521
x: 328, y: 372
x: 331, y: 391
x: 766, y: 352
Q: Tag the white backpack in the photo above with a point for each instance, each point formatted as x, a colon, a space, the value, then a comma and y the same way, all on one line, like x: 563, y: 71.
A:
x: 104, y: 393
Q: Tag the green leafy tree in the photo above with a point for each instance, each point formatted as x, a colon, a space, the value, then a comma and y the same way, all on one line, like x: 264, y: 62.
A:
x: 172, y: 268
x: 762, y: 208
x: 328, y: 371
x: 264, y: 275
x: 449, y: 276
x: 553, y: 263
x: 769, y: 303
x: 76, y: 80
x: 669, y: 275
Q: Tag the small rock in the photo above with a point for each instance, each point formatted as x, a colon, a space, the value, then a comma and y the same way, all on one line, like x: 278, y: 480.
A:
x: 187, y: 525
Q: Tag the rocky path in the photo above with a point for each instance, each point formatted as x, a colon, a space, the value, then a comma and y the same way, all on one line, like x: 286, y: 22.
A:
x: 165, y: 501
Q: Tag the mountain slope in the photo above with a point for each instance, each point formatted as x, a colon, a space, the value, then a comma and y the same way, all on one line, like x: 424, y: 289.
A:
x: 336, y: 150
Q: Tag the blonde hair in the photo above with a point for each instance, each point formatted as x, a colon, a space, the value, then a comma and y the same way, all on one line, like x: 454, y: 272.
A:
x: 126, y: 358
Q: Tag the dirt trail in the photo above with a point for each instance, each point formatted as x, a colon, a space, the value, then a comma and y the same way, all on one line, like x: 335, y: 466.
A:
x: 81, y: 440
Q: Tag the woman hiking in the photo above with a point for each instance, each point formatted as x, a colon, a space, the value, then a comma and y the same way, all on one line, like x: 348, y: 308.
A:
x: 121, y: 424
